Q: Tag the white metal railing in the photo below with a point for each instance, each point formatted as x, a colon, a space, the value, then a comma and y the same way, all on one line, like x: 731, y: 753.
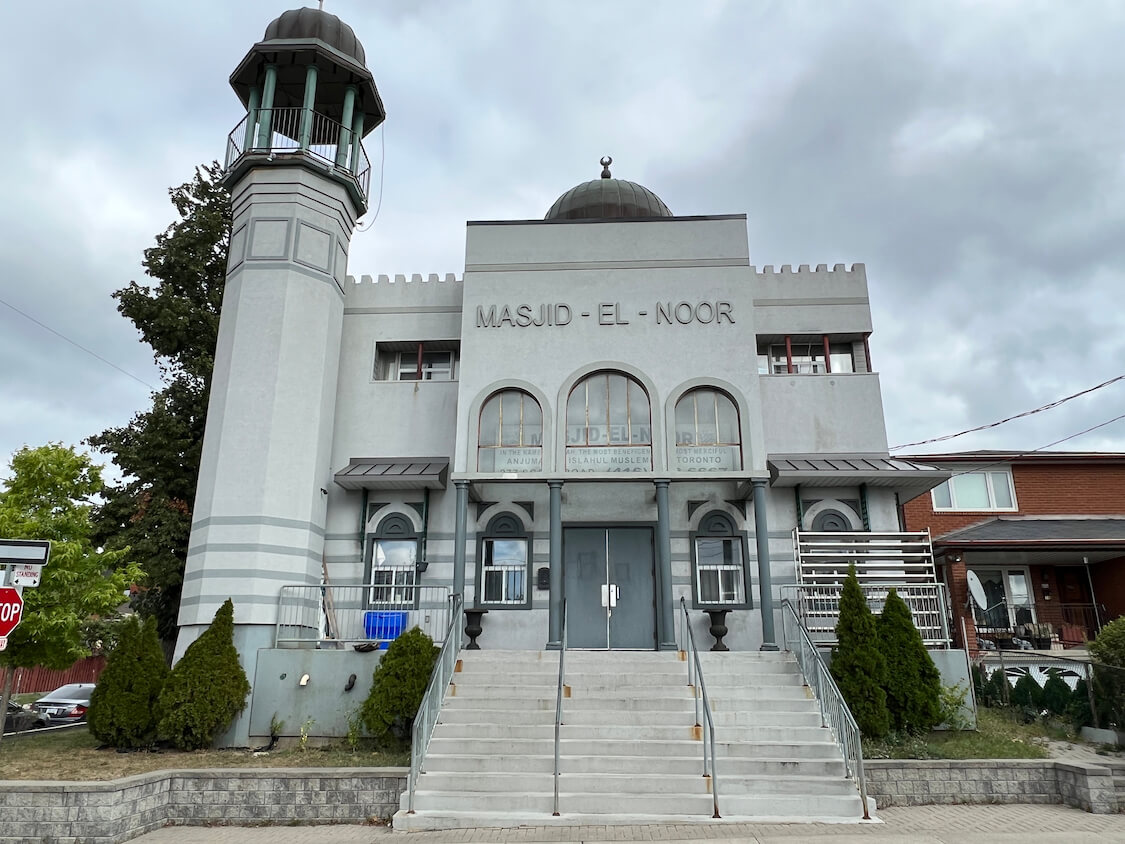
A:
x: 430, y: 707
x: 695, y: 671
x: 879, y: 557
x: 559, y: 705
x: 345, y: 613
x: 834, y: 712
x: 818, y: 608
x: 286, y: 131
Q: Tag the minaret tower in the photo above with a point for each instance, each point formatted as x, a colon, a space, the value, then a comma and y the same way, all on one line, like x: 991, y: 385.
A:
x: 298, y: 178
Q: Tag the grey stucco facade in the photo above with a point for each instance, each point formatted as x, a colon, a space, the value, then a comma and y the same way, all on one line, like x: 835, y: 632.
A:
x: 590, y: 413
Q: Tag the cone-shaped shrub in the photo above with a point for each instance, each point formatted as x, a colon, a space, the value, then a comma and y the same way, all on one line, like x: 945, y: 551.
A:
x: 397, y: 688
x: 997, y: 690
x: 1078, y: 710
x: 1056, y: 694
x: 206, y: 689
x: 913, y: 684
x: 857, y: 663
x: 1027, y: 695
x: 123, y: 708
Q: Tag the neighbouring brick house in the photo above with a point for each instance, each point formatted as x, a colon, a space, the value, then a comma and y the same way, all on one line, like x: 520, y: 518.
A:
x: 1043, y: 533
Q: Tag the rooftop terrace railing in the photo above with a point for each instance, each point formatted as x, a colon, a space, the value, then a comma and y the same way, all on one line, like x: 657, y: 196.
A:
x: 278, y: 132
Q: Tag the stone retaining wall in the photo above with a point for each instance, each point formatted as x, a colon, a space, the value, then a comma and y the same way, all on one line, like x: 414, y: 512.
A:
x: 109, y: 812
x: 911, y: 782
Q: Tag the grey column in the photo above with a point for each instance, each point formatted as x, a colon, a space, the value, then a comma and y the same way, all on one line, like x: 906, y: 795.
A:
x: 265, y: 114
x: 665, y: 610
x: 459, y: 535
x: 765, y: 585
x: 554, y: 623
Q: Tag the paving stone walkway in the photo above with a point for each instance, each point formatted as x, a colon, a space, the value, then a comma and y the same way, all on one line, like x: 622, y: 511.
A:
x: 1009, y: 824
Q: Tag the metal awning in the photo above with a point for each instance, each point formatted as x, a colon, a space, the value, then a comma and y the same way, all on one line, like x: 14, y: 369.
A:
x: 908, y: 478
x: 394, y: 473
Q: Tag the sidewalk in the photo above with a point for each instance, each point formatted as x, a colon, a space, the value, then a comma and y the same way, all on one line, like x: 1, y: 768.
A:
x: 1010, y: 824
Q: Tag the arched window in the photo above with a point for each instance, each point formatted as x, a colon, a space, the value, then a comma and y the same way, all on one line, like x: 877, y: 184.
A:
x: 608, y: 425
x: 510, y: 437
x: 708, y: 438
x: 719, y: 563
x: 392, y: 562
x: 504, y: 564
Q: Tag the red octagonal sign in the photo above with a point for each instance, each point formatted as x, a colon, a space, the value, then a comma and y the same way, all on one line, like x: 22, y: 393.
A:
x: 11, y: 610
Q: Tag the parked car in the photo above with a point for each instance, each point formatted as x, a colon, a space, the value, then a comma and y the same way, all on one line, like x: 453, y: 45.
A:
x: 66, y: 704
x: 17, y: 718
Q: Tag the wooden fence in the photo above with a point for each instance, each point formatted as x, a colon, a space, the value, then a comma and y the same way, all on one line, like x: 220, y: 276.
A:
x: 29, y: 680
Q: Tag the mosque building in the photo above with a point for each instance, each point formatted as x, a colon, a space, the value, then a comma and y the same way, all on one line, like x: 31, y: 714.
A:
x: 611, y: 410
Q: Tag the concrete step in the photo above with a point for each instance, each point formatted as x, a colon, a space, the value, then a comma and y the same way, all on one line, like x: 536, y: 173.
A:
x: 685, y: 731
x: 630, y: 784
x: 647, y: 749
x: 501, y: 704
x: 464, y: 714
x: 545, y: 764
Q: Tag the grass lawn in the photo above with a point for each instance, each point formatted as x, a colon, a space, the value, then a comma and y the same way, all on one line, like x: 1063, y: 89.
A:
x: 74, y: 755
x: 999, y: 735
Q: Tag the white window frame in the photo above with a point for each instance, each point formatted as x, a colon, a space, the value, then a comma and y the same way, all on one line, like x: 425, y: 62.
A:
x: 718, y: 527
x: 511, y: 573
x: 397, y: 363
x: 1010, y: 607
x: 989, y: 475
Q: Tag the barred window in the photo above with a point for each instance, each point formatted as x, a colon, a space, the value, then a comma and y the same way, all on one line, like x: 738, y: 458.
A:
x: 719, y: 561
x: 504, y: 569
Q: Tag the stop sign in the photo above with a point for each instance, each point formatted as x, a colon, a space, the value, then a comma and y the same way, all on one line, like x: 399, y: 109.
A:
x: 11, y: 610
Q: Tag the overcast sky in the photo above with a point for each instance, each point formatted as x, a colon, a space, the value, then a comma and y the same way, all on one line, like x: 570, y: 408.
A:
x: 971, y: 154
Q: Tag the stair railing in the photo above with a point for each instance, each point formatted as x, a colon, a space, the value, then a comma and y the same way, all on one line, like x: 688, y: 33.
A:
x: 559, y: 705
x: 695, y: 671
x: 430, y: 706
x: 834, y: 711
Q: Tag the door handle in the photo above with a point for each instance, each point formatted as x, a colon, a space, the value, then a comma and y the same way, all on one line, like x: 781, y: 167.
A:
x: 610, y: 593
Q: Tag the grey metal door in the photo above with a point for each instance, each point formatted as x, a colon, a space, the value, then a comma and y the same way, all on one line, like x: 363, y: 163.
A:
x: 608, y: 581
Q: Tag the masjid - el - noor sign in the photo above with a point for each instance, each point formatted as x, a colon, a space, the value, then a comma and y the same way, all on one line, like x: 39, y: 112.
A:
x: 606, y: 313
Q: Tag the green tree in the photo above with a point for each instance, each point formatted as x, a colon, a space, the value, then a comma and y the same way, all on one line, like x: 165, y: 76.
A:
x: 124, y: 708
x: 1027, y: 696
x: 48, y: 496
x: 858, y: 665
x: 997, y: 690
x: 207, y: 687
x: 159, y: 450
x: 913, y: 683
x: 397, y: 688
x: 1108, y: 649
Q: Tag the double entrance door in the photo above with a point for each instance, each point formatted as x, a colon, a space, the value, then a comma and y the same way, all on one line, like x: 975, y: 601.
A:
x: 608, y: 575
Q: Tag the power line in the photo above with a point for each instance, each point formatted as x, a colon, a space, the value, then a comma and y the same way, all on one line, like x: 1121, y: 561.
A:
x: 921, y: 458
x: 78, y: 345
x: 1049, y: 406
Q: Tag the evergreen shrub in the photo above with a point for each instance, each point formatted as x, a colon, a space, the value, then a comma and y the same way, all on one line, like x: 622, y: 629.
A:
x: 913, y: 683
x: 1078, y: 710
x: 1056, y: 694
x: 997, y: 690
x: 1027, y: 695
x: 858, y: 665
x: 397, y: 688
x: 124, y: 708
x: 207, y: 687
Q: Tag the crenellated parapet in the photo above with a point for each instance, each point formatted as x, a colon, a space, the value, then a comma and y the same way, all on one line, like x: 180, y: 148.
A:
x: 415, y: 291
x: 807, y: 300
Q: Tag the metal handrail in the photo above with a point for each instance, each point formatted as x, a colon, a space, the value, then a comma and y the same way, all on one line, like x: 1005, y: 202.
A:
x: 430, y: 706
x: 558, y: 705
x: 834, y: 712
x: 695, y: 669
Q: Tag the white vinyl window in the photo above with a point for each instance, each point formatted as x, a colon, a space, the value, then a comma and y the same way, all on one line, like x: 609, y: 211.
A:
x: 505, y: 571
x: 720, y: 570
x: 415, y: 361
x: 984, y: 490
x: 808, y: 359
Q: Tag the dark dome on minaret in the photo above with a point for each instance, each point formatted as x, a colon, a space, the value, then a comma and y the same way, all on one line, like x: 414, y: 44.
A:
x: 607, y: 198
x: 305, y: 24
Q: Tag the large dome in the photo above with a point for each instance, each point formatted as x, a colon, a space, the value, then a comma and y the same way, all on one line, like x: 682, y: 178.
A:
x: 607, y: 198
x: 303, y: 24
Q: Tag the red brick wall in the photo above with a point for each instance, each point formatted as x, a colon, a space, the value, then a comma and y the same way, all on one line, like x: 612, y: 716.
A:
x: 1041, y: 490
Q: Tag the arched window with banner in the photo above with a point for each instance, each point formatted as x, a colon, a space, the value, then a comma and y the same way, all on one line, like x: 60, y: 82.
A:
x: 708, y: 436
x: 608, y: 425
x: 510, y: 436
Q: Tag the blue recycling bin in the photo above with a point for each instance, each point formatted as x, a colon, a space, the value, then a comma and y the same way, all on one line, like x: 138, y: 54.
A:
x: 383, y: 625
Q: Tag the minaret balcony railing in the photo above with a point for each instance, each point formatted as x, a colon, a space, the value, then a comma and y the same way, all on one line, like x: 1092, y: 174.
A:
x: 278, y: 132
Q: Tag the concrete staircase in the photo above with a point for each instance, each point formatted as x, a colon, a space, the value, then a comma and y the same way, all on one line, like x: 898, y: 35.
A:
x: 630, y: 751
